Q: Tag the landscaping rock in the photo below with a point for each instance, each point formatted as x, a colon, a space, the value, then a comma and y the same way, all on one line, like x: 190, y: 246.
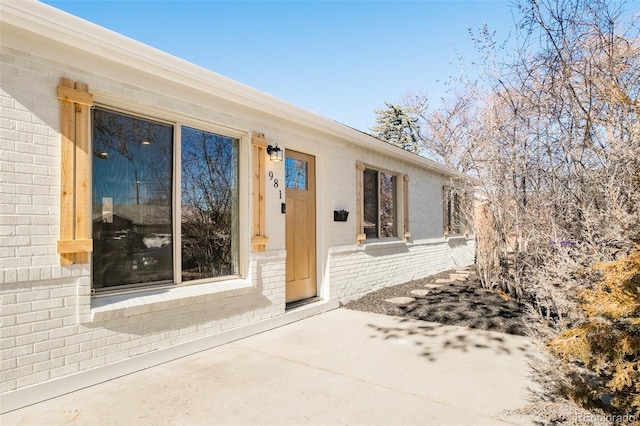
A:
x: 419, y: 293
x: 401, y: 300
x: 464, y: 304
x: 459, y: 277
x: 432, y: 286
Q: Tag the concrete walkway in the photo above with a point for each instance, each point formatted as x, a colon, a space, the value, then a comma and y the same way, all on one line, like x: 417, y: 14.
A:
x: 342, y: 367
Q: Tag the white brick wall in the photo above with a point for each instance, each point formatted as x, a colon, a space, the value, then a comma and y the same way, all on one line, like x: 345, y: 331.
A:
x: 42, y: 338
x: 356, y: 271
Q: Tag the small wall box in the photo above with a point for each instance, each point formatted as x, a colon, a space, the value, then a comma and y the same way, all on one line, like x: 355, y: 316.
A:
x: 340, y: 215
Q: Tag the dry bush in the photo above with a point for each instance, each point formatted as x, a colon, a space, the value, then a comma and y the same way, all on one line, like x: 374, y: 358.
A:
x: 551, y: 140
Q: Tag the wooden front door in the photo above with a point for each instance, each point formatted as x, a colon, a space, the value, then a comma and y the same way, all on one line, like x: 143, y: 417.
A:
x: 300, y: 197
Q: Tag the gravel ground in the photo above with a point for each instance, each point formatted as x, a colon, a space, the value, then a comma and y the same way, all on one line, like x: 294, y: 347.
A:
x: 462, y: 303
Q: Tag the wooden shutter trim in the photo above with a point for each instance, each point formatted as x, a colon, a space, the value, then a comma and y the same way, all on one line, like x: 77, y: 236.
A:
x: 360, y: 235
x: 75, y: 246
x: 258, y: 139
x: 445, y: 211
x: 259, y: 239
x: 67, y: 172
x: 405, y: 193
x: 83, y: 158
x: 78, y: 95
x: 75, y: 102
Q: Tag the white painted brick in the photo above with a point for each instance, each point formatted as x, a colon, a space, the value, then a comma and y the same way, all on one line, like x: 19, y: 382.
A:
x: 63, y: 312
x: 7, y: 343
x: 33, y: 295
x: 77, y: 358
x: 32, y: 317
x: 16, y: 373
x: 93, y: 362
x: 101, y: 351
x: 46, y: 325
x: 63, y: 371
x: 16, y: 330
x: 47, y: 304
x: 48, y: 345
x: 74, y: 320
x: 48, y: 365
x: 33, y: 358
x: 16, y: 352
x: 64, y: 331
x: 93, y: 344
x: 117, y: 356
x: 64, y: 351
x: 8, y: 363
x: 32, y: 379
x: 56, y: 272
x: 8, y: 385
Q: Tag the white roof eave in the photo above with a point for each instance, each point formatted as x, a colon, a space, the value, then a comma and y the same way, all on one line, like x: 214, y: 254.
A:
x: 62, y: 27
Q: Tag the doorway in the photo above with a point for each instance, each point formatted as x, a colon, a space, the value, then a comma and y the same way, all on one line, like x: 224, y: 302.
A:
x: 300, y: 222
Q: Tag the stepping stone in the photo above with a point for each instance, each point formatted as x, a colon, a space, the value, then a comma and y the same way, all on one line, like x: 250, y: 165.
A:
x: 419, y: 293
x: 458, y: 277
x: 401, y: 300
x: 444, y: 281
x: 433, y: 286
x: 464, y: 272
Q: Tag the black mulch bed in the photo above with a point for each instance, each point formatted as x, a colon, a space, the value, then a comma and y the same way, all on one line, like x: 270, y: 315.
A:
x: 461, y: 303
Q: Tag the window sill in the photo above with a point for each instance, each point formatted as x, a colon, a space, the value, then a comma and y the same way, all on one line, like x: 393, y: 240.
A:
x: 385, y: 243
x: 127, y: 305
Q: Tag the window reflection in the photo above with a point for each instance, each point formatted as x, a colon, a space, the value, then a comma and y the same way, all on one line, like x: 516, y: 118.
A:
x: 295, y: 173
x: 387, y: 205
x: 370, y: 189
x: 131, y: 200
x: 209, y: 194
x: 379, y: 193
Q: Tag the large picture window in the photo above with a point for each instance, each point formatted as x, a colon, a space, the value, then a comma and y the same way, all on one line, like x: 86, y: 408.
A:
x: 136, y: 231
x: 380, y: 204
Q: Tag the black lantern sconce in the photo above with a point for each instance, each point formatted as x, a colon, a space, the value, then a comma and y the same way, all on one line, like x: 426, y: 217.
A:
x: 275, y: 153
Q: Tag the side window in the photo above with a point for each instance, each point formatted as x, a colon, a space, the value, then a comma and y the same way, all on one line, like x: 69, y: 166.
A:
x: 452, y: 211
x: 380, y: 204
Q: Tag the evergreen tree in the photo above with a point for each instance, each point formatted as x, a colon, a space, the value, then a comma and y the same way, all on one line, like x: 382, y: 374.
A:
x: 399, y: 126
x: 607, y: 342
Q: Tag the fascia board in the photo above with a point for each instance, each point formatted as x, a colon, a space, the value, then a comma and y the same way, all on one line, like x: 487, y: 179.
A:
x: 62, y: 27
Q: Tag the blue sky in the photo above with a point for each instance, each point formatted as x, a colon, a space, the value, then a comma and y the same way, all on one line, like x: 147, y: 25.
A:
x: 339, y: 59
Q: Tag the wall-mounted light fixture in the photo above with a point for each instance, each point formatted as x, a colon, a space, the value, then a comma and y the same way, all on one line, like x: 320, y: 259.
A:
x: 275, y: 153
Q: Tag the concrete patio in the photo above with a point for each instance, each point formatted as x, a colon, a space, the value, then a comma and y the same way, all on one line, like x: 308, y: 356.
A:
x: 342, y: 367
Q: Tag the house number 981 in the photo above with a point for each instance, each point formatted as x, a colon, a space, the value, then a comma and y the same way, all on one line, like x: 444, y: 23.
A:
x: 275, y: 184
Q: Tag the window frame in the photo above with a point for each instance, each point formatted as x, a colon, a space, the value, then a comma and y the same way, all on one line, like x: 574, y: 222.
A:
x: 400, y: 207
x: 454, y: 223
x: 178, y: 121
